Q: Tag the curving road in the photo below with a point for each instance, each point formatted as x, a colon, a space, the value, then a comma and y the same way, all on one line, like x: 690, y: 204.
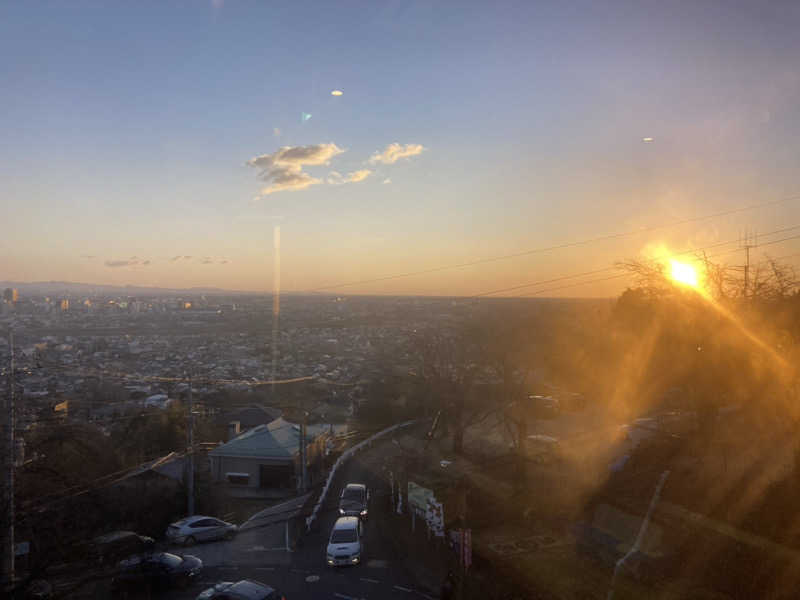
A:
x: 302, y: 574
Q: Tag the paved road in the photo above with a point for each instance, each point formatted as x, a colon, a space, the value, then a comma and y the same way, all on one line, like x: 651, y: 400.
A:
x: 306, y: 576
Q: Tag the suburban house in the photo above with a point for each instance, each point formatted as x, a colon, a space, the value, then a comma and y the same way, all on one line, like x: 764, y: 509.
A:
x: 264, y: 462
x: 250, y: 416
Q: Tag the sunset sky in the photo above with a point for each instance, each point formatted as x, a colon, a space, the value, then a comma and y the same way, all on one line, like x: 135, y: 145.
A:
x: 159, y: 143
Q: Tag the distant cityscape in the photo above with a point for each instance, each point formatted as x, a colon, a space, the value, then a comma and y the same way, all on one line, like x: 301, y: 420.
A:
x: 147, y: 346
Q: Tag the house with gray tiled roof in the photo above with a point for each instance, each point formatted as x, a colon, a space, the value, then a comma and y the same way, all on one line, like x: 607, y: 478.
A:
x: 264, y: 461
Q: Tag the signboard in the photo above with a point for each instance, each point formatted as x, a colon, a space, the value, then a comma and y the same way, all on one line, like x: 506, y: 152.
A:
x: 418, y: 497
x: 434, y: 516
x: 462, y: 544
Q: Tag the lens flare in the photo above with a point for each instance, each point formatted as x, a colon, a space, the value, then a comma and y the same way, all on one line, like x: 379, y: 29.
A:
x: 683, y: 273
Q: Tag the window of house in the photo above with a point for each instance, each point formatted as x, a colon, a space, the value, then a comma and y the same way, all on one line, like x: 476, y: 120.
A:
x: 238, y: 478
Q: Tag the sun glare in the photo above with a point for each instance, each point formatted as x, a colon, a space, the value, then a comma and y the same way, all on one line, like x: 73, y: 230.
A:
x: 683, y: 273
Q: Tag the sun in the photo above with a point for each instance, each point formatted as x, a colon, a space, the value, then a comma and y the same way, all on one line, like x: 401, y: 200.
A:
x: 683, y: 273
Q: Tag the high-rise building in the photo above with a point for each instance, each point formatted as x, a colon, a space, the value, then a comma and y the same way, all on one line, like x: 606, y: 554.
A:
x: 65, y: 305
x: 11, y: 295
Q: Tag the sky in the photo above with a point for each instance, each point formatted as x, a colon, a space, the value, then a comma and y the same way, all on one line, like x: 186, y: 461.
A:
x: 161, y: 143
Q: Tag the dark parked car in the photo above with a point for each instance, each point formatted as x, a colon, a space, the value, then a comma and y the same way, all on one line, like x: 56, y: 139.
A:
x: 112, y: 547
x: 246, y: 589
x: 157, y: 570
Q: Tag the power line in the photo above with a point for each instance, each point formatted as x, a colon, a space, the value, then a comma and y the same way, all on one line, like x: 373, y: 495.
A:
x: 621, y: 275
x: 612, y: 268
x: 37, y: 506
x: 103, y: 374
x: 551, y: 248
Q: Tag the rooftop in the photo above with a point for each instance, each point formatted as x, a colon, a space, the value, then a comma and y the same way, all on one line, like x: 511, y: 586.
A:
x: 278, y: 439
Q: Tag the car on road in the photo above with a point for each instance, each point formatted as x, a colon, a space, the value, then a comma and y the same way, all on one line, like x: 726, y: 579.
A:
x: 200, y: 529
x: 158, y: 570
x: 246, y: 589
x: 344, y: 546
x: 354, y: 501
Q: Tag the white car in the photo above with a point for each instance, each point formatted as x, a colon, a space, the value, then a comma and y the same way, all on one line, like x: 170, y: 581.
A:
x: 200, y: 529
x: 344, y: 546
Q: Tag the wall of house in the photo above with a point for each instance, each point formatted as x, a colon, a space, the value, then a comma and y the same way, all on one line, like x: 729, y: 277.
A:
x: 221, y: 465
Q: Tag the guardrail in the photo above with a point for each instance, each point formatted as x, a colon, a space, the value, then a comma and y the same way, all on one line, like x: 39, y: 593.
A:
x: 339, y: 461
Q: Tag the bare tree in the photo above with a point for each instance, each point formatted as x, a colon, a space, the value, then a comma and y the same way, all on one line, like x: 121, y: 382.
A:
x: 448, y: 369
x: 769, y: 279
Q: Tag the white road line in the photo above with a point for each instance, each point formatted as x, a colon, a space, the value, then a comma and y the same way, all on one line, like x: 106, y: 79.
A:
x: 367, y: 579
x: 424, y: 595
x: 344, y: 597
x: 402, y: 589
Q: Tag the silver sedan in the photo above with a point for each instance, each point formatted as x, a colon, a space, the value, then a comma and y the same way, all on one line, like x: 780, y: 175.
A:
x: 200, y: 529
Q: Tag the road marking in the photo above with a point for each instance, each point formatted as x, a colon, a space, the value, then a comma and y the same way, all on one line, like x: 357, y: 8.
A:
x: 367, y: 579
x: 403, y: 589
x: 344, y: 597
x: 424, y: 595
x: 312, y: 578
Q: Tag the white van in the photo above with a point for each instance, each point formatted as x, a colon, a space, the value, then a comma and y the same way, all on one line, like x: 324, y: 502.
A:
x: 344, y: 547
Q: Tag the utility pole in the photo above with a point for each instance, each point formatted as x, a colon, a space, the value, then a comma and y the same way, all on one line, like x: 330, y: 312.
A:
x: 304, y: 481
x: 462, y: 521
x: 190, y: 439
x: 8, y: 475
x: 276, y: 302
x: 749, y: 241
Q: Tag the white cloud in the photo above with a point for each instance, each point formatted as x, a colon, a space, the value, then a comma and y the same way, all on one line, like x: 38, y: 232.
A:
x: 394, y: 152
x: 359, y: 175
x: 283, y: 170
x: 131, y: 262
x: 336, y: 178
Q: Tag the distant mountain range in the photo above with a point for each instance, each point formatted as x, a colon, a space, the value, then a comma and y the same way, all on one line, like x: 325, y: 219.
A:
x: 86, y: 289
x: 56, y: 288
